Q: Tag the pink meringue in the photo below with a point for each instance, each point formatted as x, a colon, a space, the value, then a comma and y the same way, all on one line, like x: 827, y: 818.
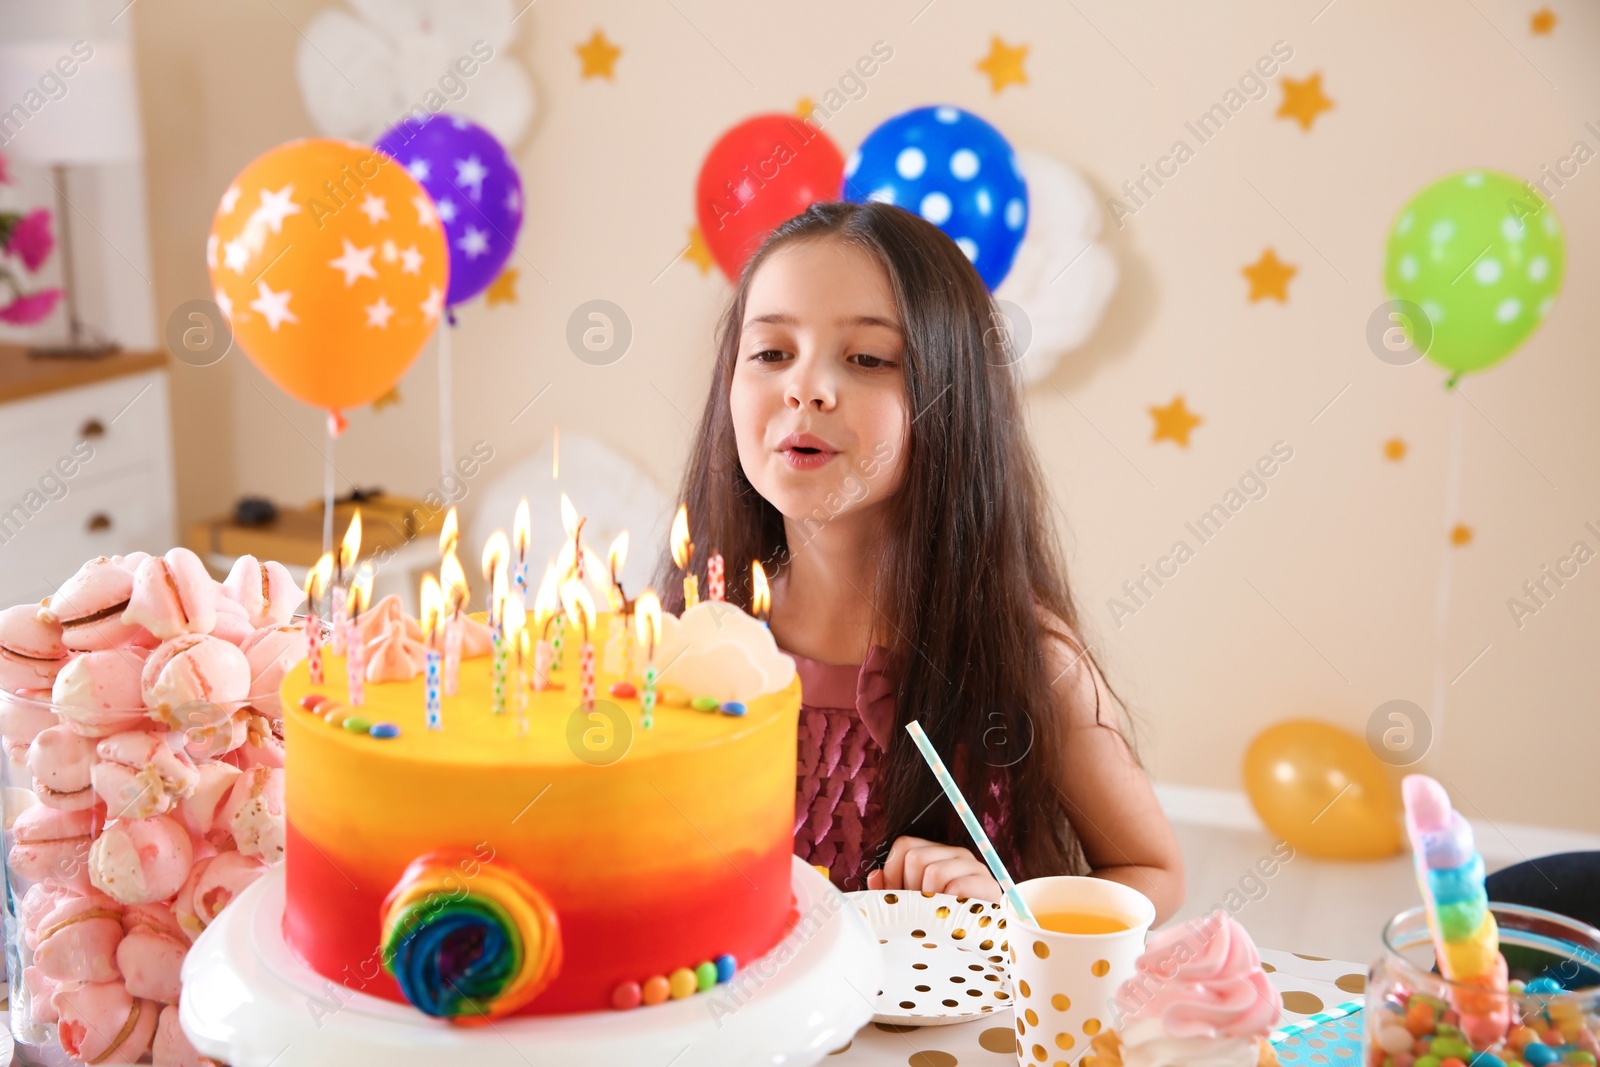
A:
x: 263, y: 744
x: 104, y: 1022
x: 31, y: 651
x: 213, y: 741
x: 172, y: 595
x: 172, y: 1047
x: 139, y: 861
x: 212, y: 885
x: 99, y: 693
x: 199, y: 810
x: 253, y: 812
x: 41, y: 997
x: 266, y: 591
x: 233, y: 625
x: 21, y: 720
x: 89, y: 607
x: 53, y: 846
x: 193, y: 681
x: 138, y: 775
x: 40, y: 899
x: 131, y: 561
x: 77, y: 940
x: 394, y: 657
x: 476, y: 638
x: 273, y: 651
x: 61, y: 763
x: 150, y: 954
x: 385, y: 616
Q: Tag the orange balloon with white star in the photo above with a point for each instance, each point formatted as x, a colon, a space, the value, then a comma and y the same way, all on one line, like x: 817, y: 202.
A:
x: 329, y: 262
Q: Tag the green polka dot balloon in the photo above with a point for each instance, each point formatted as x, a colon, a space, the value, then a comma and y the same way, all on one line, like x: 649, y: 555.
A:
x: 1481, y: 254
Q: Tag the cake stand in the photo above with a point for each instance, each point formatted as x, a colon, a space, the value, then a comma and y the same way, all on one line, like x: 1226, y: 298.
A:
x: 249, y: 1001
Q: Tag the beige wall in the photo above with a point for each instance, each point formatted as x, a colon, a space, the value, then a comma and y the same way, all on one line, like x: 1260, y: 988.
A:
x: 1343, y: 553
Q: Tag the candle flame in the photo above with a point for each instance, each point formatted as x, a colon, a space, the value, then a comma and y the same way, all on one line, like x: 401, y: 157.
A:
x: 360, y: 592
x: 514, y: 619
x: 598, y: 575
x: 618, y: 553
x: 569, y: 516
x: 578, y: 604
x: 682, y: 547
x: 760, y: 591
x: 432, y: 601
x: 498, y: 595
x: 496, y: 552
x: 350, y: 547
x: 449, y: 533
x: 318, y: 577
x: 521, y: 530
x: 454, y: 581
x: 546, y: 602
x: 566, y: 564
x: 647, y: 620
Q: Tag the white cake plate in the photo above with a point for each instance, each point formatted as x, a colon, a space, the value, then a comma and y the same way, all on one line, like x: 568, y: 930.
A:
x: 249, y: 1001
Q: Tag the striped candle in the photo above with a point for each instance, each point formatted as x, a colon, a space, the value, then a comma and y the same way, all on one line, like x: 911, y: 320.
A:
x: 542, y: 655
x: 355, y: 663
x: 716, y: 582
x: 435, y: 719
x: 979, y: 838
x: 337, y: 596
x: 452, y: 654
x: 558, y: 643
x: 499, y: 672
x: 586, y: 672
x: 314, y: 647
x: 647, y: 699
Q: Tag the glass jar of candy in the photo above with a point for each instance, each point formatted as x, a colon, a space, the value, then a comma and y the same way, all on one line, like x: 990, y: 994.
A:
x: 1548, y: 1014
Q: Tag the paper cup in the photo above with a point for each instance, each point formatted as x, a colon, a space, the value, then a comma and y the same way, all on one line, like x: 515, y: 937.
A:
x: 1062, y: 985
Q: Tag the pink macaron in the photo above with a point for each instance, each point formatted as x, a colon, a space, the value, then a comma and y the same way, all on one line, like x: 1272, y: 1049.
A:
x: 266, y: 591
x: 50, y: 845
x: 77, y: 940
x: 40, y: 899
x: 140, y: 861
x: 31, y: 649
x: 138, y: 775
x: 100, y: 693
x: 41, y: 997
x: 102, y: 1022
x: 172, y: 1047
x: 273, y: 651
x: 173, y: 594
x: 212, y: 885
x: 89, y: 607
x: 195, y: 681
x: 62, y: 764
x: 150, y: 954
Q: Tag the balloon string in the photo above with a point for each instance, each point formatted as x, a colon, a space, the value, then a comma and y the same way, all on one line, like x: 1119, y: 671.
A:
x: 327, y: 491
x: 1441, y: 615
x: 446, y: 412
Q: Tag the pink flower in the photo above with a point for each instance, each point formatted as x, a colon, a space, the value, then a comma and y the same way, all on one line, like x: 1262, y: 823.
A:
x: 31, y: 239
x: 30, y: 308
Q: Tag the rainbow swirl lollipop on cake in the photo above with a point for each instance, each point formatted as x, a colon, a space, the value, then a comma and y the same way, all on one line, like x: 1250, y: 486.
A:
x: 1198, y: 998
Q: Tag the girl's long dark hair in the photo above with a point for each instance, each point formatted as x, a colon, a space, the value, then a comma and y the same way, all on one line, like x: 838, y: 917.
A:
x: 967, y: 552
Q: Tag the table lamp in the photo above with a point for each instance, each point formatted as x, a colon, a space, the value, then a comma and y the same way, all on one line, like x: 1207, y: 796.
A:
x: 88, y: 117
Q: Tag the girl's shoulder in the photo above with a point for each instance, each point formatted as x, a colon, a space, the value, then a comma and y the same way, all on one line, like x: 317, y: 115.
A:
x: 1081, y: 691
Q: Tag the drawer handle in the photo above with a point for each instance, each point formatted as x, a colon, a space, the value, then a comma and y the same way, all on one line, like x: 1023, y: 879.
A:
x: 92, y: 428
x: 99, y: 522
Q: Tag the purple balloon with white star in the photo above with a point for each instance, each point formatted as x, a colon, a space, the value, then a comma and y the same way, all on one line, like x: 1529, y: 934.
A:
x: 475, y: 188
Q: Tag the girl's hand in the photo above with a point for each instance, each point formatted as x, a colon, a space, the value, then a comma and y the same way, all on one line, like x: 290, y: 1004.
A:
x: 928, y: 867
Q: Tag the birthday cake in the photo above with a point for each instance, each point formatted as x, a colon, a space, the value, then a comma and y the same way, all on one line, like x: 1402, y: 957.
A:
x: 507, y: 850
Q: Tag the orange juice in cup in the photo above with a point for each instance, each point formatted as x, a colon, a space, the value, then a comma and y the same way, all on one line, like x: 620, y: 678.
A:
x: 1066, y: 966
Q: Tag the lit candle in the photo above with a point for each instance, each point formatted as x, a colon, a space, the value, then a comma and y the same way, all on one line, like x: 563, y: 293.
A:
x: 454, y: 582
x: 432, y: 601
x: 683, y: 554
x: 716, y: 584
x: 317, y: 580
x: 355, y: 663
x: 449, y: 534
x: 496, y: 553
x: 578, y: 605
x: 760, y: 593
x: 545, y: 605
x: 647, y: 619
x: 618, y: 636
x: 344, y: 566
x: 572, y: 523
x: 515, y: 621
x: 522, y: 532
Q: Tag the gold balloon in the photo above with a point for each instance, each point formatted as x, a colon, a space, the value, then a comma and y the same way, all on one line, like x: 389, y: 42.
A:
x: 1323, y: 791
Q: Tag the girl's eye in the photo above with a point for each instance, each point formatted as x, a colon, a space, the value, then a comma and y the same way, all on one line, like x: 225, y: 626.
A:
x: 771, y: 355
x: 871, y: 362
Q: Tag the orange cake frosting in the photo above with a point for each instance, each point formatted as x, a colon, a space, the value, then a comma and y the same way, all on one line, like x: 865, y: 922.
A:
x: 604, y: 862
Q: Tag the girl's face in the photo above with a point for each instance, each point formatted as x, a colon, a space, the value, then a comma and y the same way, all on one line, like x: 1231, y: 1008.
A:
x: 818, y: 394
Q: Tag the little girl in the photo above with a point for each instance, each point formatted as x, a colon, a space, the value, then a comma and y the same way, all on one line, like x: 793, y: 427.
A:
x: 863, y: 438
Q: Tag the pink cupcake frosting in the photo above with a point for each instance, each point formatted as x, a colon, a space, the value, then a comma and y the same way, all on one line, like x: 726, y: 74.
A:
x: 1201, y: 979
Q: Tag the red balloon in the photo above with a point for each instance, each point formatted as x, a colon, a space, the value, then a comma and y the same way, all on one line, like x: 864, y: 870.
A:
x: 763, y: 171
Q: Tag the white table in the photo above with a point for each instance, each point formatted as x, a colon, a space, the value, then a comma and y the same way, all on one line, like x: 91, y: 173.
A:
x: 1309, y: 984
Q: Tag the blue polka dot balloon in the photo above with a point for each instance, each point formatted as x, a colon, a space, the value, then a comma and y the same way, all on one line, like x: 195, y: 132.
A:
x: 956, y: 171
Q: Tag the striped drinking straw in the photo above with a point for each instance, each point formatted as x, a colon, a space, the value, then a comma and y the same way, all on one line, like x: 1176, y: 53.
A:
x: 970, y: 820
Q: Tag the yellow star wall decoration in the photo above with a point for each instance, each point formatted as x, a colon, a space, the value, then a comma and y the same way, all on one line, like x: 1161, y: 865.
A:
x: 1461, y: 535
x: 599, y: 56
x: 503, y: 290
x: 804, y: 108
x: 1542, y: 22
x: 1269, y: 276
x: 1174, y: 422
x: 699, y: 252
x: 1303, y: 100
x: 1003, y: 64
x: 389, y: 399
x: 1394, y: 450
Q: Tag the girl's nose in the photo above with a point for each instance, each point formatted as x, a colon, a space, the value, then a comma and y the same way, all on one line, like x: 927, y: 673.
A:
x: 810, y: 386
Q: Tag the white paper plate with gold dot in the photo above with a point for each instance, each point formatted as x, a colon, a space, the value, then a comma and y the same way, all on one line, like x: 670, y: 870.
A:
x: 944, y: 957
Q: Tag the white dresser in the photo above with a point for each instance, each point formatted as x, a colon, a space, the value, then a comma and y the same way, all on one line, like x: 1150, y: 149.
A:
x: 85, y: 466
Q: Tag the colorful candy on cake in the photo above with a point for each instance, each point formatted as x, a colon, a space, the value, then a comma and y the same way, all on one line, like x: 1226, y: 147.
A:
x: 128, y: 706
x: 1199, y: 997
x: 540, y: 809
x: 1484, y: 1019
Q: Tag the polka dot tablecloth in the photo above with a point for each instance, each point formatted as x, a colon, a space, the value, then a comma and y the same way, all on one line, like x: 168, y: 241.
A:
x: 1309, y: 984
